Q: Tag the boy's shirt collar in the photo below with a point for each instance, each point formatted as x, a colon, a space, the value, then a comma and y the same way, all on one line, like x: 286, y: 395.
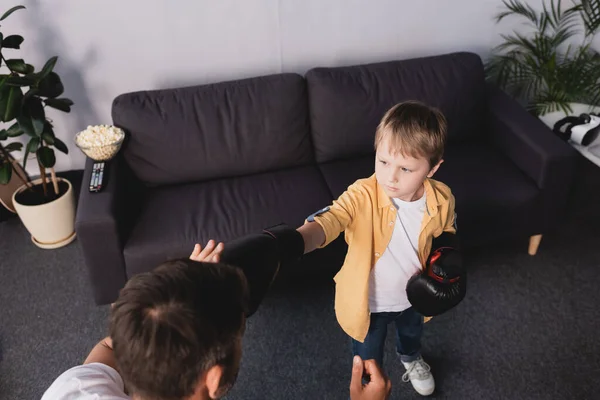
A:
x: 432, y: 197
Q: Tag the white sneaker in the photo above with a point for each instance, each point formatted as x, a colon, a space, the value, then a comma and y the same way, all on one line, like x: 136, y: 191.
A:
x: 418, y: 373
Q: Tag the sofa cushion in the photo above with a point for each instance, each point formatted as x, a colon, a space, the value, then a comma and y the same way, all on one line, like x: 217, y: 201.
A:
x: 494, y: 199
x: 214, y: 131
x: 341, y: 174
x: 172, y: 219
x: 347, y: 103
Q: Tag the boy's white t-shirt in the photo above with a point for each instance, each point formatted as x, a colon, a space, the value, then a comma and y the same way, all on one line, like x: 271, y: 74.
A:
x: 400, y: 260
x: 86, y: 382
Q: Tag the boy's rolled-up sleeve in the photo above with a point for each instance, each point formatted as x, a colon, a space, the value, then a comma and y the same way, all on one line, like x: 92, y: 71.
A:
x: 450, y: 225
x: 335, y: 218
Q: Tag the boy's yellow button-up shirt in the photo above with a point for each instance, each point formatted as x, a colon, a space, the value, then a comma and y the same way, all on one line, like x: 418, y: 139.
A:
x: 367, y: 216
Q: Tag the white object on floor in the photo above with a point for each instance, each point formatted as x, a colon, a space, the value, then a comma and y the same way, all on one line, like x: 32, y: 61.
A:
x: 418, y: 372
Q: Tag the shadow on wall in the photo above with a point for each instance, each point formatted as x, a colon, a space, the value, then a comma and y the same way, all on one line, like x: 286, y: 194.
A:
x: 341, y: 60
x: 173, y: 82
x: 51, y: 44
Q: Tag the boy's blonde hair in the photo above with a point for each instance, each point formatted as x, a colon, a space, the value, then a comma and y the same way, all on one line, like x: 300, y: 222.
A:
x: 414, y: 129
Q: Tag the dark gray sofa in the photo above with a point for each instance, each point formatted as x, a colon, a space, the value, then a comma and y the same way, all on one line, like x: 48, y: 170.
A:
x: 224, y: 160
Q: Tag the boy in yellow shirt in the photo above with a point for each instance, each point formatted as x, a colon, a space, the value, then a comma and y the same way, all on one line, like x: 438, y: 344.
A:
x: 389, y: 221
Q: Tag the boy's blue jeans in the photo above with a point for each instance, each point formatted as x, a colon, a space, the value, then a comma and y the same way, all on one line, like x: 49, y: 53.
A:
x: 409, y: 327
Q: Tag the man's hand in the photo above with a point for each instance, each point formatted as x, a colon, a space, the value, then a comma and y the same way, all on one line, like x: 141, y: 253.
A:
x: 378, y: 387
x: 210, y: 253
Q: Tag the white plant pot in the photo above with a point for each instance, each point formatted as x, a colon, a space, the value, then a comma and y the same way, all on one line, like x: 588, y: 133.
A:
x: 51, y: 225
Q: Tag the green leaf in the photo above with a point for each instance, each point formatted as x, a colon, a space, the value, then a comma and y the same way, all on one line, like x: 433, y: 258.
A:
x: 35, y: 110
x: 46, y: 156
x: 10, y: 102
x: 3, y: 134
x: 60, y: 104
x: 12, y: 10
x: 5, y: 173
x: 48, y: 67
x: 14, y: 146
x: 21, y: 80
x: 17, y: 65
x: 60, y: 145
x: 514, y: 7
x: 51, y: 86
x: 3, y: 80
x: 48, y: 134
x: 1, y: 38
x: 26, y: 124
x: 591, y: 16
x: 12, y: 42
x: 30, y: 92
x: 553, y: 18
x: 14, y: 130
x: 33, y: 145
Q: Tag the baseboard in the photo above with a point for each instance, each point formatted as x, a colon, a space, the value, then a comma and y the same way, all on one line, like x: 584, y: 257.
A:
x: 73, y: 176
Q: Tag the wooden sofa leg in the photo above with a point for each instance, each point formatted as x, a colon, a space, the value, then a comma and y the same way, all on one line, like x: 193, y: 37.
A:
x: 534, y: 243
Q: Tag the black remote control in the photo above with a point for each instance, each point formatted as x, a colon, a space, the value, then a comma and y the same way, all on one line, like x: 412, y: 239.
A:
x: 98, y: 177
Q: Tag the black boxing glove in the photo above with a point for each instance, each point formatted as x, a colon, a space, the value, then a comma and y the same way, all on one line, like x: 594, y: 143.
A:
x: 260, y: 255
x: 443, y: 282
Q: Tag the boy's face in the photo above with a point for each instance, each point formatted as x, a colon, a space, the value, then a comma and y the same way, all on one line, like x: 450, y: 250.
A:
x: 401, y: 176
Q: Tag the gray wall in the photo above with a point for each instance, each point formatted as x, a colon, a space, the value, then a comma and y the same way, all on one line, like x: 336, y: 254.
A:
x: 107, y: 47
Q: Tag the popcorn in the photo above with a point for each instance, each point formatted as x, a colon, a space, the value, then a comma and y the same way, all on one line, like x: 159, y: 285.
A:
x: 100, y: 142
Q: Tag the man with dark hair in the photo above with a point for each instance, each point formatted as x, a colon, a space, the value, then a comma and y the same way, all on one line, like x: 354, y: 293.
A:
x: 182, y: 321
x: 176, y: 332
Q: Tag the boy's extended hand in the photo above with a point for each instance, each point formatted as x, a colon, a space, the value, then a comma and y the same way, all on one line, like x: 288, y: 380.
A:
x: 210, y: 253
x: 378, y: 387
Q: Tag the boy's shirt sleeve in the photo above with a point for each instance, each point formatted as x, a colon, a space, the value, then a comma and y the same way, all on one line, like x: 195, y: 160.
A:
x: 335, y: 218
x: 451, y: 217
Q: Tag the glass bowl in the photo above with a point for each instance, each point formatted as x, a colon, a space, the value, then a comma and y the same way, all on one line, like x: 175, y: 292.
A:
x: 98, y: 148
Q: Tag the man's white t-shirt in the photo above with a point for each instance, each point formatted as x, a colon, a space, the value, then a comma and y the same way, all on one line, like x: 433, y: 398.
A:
x: 400, y: 260
x: 86, y: 382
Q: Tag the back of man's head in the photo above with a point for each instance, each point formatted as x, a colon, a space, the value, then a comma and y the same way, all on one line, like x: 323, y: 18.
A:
x: 172, y: 325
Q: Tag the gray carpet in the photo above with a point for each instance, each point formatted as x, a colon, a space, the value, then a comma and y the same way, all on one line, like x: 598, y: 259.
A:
x: 528, y: 328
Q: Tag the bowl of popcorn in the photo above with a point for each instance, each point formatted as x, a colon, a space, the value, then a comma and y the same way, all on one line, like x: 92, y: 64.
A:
x: 100, y: 142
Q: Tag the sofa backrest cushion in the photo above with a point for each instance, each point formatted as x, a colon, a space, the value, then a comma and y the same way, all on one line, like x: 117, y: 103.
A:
x: 215, y: 131
x: 347, y: 103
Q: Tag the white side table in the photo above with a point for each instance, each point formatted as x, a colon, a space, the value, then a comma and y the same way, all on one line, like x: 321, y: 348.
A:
x: 592, y: 151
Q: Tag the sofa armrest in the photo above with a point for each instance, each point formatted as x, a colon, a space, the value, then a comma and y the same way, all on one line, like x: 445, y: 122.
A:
x: 102, y: 223
x: 534, y: 149
x: 528, y: 142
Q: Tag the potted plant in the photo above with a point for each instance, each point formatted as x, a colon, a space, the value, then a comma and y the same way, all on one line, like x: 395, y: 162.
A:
x: 543, y: 68
x: 45, y: 205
